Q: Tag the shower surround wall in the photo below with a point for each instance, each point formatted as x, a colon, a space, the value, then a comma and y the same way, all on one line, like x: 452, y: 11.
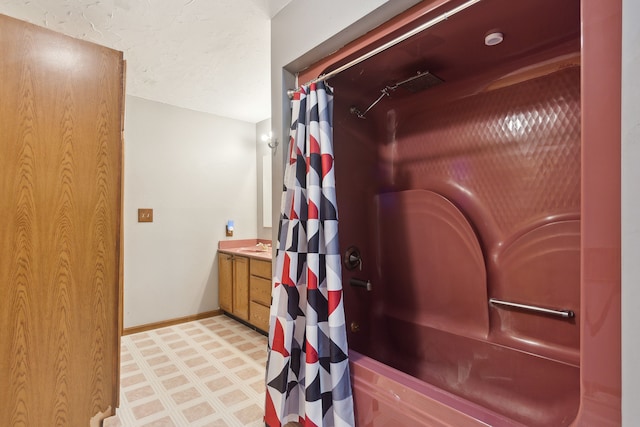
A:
x: 473, y: 190
x: 457, y: 202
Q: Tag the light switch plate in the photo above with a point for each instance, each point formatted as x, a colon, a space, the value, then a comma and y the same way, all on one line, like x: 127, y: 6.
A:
x: 145, y: 215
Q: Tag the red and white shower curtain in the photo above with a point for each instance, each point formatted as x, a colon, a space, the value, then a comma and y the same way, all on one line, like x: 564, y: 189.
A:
x: 308, y: 368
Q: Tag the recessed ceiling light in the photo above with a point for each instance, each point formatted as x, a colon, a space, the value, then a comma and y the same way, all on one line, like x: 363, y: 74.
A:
x: 493, y: 39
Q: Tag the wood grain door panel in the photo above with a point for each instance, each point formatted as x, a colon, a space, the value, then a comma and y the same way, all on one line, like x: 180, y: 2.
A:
x: 60, y: 205
x: 241, y: 287
x: 225, y: 282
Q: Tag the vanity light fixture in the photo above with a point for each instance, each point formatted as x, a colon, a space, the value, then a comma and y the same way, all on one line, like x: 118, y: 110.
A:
x: 271, y: 141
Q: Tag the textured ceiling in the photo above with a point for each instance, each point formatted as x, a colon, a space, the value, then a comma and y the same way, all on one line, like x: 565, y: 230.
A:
x: 205, y: 55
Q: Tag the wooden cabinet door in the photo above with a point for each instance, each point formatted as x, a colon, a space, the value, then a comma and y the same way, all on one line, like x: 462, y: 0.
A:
x: 225, y: 282
x: 241, y: 287
x: 60, y: 210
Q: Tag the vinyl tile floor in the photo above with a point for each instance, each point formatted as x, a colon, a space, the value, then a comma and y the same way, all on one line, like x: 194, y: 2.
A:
x: 203, y: 373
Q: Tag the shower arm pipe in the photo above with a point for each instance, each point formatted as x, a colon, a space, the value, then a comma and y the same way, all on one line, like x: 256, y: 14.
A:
x: 361, y: 114
x: 565, y: 314
x: 399, y: 39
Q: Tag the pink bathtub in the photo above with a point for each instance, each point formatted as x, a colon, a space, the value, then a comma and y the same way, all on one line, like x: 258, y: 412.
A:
x: 385, y: 397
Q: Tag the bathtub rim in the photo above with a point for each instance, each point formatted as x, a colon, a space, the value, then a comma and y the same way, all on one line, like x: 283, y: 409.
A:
x: 418, y: 398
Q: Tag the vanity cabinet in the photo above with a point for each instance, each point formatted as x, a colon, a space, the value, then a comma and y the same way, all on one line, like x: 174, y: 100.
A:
x: 233, y: 283
x: 260, y: 293
x: 244, y: 285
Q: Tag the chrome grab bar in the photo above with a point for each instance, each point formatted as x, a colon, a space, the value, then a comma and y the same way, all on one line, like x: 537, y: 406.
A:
x: 565, y: 314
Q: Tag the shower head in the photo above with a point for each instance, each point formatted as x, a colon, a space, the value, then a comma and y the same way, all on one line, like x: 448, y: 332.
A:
x: 414, y: 84
x: 419, y: 82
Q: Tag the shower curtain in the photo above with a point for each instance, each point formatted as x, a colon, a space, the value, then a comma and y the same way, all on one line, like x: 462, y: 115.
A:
x: 307, y: 368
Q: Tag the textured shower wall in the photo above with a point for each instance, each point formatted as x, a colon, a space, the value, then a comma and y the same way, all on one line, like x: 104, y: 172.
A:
x: 356, y: 154
x: 507, y: 158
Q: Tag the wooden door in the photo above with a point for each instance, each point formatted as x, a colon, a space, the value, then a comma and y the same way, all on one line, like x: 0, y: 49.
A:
x: 225, y: 282
x: 241, y: 287
x: 60, y: 206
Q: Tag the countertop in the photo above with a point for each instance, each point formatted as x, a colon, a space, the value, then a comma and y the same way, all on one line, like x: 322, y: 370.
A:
x: 246, y: 247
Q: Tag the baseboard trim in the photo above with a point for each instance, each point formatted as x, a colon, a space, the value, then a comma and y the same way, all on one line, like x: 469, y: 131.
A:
x: 170, y: 322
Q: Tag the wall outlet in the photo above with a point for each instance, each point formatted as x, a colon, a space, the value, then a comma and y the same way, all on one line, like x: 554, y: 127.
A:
x: 145, y: 215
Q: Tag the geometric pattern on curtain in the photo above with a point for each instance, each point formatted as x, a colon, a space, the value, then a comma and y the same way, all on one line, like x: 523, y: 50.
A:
x: 307, y: 375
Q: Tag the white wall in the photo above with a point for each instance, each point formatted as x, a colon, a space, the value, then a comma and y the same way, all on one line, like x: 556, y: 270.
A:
x: 188, y: 167
x: 630, y: 212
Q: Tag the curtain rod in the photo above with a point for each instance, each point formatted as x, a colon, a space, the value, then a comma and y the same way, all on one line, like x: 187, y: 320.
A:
x: 401, y: 38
